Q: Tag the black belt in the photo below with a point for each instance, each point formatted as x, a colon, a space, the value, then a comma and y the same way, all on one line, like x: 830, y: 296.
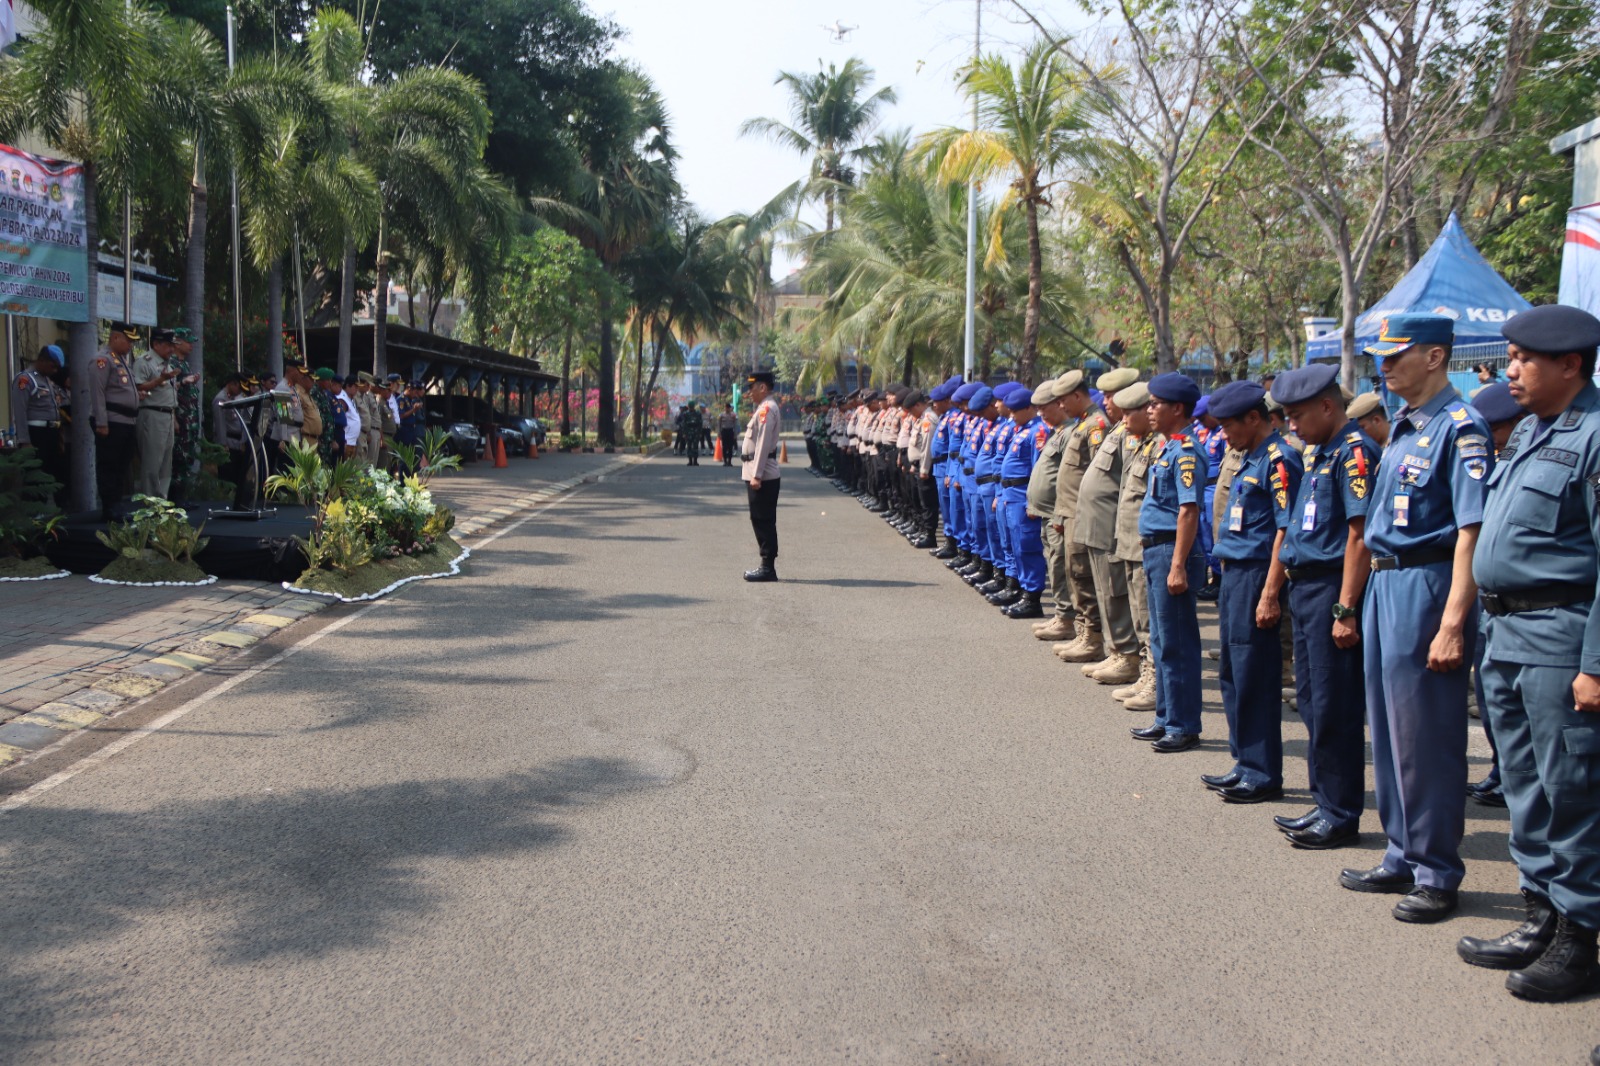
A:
x: 1538, y: 599
x: 1012, y: 482
x: 988, y: 479
x: 122, y: 409
x: 1310, y: 570
x: 941, y: 458
x: 1425, y: 557
x: 162, y: 410
x: 966, y: 470
x: 1159, y: 538
x: 1212, y: 481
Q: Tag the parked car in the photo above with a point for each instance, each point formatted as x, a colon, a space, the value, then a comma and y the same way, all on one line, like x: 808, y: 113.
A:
x: 527, y: 431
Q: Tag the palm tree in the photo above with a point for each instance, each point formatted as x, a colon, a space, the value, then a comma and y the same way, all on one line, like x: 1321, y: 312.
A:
x: 85, y: 84
x: 1033, y: 122
x: 624, y: 185
x: 833, y: 116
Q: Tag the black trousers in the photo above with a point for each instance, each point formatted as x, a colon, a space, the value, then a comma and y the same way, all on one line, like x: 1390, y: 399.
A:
x: 764, y: 516
x: 730, y: 446
x: 113, y: 454
x: 46, y: 442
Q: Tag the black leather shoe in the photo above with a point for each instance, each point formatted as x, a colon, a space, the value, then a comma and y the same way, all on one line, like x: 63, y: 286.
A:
x: 1149, y: 732
x: 1290, y: 825
x: 1566, y: 969
x: 1488, y: 784
x: 1321, y: 835
x: 1490, y: 798
x: 993, y: 585
x: 1250, y: 793
x: 1425, y: 905
x: 924, y: 542
x: 1519, y: 948
x: 1377, y: 879
x: 764, y: 572
x: 1220, y: 781
x: 958, y: 561
x: 1176, y: 742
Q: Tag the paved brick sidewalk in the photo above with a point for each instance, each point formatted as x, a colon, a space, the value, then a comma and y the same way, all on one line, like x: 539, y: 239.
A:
x: 74, y: 651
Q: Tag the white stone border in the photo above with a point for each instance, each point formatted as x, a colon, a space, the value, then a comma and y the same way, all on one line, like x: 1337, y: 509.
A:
x: 41, y: 577
x: 455, y: 568
x: 211, y: 579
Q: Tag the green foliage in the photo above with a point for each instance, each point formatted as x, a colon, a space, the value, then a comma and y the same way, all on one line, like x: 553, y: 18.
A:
x: 159, y: 528
x: 341, y: 543
x: 28, y: 512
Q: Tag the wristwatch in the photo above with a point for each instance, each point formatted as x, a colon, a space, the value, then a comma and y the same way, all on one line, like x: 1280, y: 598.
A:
x: 1341, y: 612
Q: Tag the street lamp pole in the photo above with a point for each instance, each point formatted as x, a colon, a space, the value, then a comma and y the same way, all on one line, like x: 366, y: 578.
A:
x: 238, y: 298
x: 969, y: 347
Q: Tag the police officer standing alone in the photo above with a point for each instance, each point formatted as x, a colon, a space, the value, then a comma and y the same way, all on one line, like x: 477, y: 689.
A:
x: 1421, y: 619
x: 760, y: 471
x: 1328, y: 564
x: 1538, y: 564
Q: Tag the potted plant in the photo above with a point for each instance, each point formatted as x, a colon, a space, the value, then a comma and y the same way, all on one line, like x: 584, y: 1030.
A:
x: 28, y: 515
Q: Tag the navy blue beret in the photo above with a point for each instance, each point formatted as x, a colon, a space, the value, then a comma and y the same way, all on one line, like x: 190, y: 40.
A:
x: 1495, y: 404
x: 1235, y: 398
x: 1015, y: 395
x: 1305, y: 383
x: 964, y: 392
x: 981, y: 399
x: 1176, y: 388
x: 1554, y: 329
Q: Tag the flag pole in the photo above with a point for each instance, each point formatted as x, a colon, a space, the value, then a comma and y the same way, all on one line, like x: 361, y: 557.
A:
x: 969, y: 344
x: 238, y: 298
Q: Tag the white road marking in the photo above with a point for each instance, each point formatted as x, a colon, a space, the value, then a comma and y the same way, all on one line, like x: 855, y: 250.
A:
x: 116, y: 747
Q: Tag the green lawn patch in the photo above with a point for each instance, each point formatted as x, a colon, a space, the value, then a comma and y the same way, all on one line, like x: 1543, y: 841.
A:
x: 383, y: 576
x: 38, y: 566
x: 153, y: 569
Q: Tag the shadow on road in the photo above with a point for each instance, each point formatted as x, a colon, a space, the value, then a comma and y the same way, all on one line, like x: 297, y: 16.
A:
x: 857, y: 583
x: 300, y: 875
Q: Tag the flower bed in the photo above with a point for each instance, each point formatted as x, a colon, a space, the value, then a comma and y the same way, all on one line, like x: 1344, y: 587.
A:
x: 382, y: 576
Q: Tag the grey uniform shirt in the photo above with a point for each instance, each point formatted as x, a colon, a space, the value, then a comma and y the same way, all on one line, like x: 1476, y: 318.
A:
x: 1138, y: 453
x: 1042, y: 479
x: 1097, y: 497
x: 147, y: 368
x: 36, y: 399
x: 112, y: 395
x: 759, y: 454
x: 1083, y: 440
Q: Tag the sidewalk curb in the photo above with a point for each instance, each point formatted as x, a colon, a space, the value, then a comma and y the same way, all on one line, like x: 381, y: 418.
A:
x: 28, y: 734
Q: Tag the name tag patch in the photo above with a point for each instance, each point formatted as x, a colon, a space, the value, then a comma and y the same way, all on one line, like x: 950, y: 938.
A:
x: 1557, y: 455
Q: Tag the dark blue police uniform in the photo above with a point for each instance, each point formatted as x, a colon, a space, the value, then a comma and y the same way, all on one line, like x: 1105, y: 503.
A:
x: 1025, y: 536
x: 988, y: 464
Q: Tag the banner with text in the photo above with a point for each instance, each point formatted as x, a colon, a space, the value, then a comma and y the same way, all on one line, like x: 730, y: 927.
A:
x: 1580, y: 259
x: 44, y: 263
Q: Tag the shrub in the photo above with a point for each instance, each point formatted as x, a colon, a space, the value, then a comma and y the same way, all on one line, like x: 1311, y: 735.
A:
x: 28, y: 511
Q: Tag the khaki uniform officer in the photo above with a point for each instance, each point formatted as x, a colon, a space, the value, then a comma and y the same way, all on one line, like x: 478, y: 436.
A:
x: 1042, y: 502
x: 1369, y: 413
x: 114, y: 406
x: 153, y: 377
x: 1089, y: 425
x: 1097, y: 530
x: 1140, y: 446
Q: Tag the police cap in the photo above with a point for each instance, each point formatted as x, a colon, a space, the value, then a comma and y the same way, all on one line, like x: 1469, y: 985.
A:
x: 1071, y: 381
x: 1399, y: 332
x: 1304, y: 383
x: 1114, y: 381
x: 50, y: 351
x: 161, y: 336
x: 127, y: 329
x: 1047, y: 392
x: 1365, y: 404
x: 762, y: 377
x: 1495, y: 404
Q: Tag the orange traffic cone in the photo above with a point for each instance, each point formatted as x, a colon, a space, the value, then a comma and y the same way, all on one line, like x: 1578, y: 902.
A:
x: 533, y: 449
x: 499, y: 451
x: 783, y: 452
x: 716, y: 451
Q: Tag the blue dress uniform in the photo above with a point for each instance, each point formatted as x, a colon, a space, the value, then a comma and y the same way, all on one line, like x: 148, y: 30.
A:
x: 978, y: 430
x: 1252, y: 656
x: 1176, y: 478
x: 1025, y: 537
x: 941, y: 457
x: 1430, y: 483
x: 996, y: 446
x: 1212, y: 443
x: 960, y: 423
x: 1335, y: 490
x: 1538, y: 565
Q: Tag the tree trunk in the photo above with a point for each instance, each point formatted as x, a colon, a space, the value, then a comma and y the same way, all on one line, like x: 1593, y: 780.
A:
x: 566, y: 385
x: 655, y: 371
x: 84, y: 344
x: 194, y: 288
x: 275, y: 318
x: 1350, y: 308
x: 347, y: 306
x: 638, y: 379
x: 433, y: 309
x: 905, y: 377
x: 411, y: 296
x: 380, y: 311
x: 606, y: 422
x: 986, y: 353
x: 1030, y: 318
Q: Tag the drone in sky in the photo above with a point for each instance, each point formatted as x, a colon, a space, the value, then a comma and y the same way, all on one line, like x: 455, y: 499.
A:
x: 840, y: 31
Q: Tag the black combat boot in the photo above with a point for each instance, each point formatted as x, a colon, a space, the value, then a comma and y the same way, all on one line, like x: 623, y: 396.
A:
x: 1027, y: 606
x: 927, y: 542
x: 765, y: 572
x: 947, y: 550
x: 981, y: 576
x: 1566, y: 969
x: 1008, y: 595
x: 957, y: 561
x: 1519, y: 948
x: 994, y: 584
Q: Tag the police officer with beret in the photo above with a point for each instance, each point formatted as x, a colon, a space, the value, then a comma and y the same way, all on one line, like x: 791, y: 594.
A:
x: 1421, y: 618
x: 1250, y: 595
x: 959, y: 477
x: 1169, y: 532
x: 1538, y: 564
x: 1016, y: 468
x: 983, y: 408
x: 761, y: 473
x: 939, y: 464
x: 1327, y: 564
x: 37, y: 407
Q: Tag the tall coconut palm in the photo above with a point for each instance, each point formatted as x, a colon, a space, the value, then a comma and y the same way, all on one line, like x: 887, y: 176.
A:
x: 832, y: 117
x: 84, y: 84
x: 1034, y: 121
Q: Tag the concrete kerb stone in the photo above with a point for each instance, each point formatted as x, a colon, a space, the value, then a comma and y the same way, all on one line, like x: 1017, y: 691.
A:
x: 126, y: 687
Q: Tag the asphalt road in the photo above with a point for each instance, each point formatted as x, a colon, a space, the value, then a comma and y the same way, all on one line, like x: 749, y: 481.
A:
x: 600, y: 801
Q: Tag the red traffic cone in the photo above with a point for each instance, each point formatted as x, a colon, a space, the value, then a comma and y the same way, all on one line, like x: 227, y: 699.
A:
x: 533, y: 449
x: 783, y: 452
x: 499, y: 451
x: 716, y: 451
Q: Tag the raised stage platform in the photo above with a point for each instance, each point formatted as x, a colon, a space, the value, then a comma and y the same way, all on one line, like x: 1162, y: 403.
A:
x: 261, y: 550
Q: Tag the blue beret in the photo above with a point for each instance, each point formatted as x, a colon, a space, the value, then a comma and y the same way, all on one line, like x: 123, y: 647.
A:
x: 1175, y: 388
x: 1202, y: 408
x: 1554, y: 330
x: 1495, y: 404
x: 964, y: 393
x: 1235, y: 398
x: 1399, y: 332
x: 955, y: 381
x: 50, y: 351
x: 936, y: 393
x: 1013, y: 394
x: 982, y: 398
x: 1298, y: 386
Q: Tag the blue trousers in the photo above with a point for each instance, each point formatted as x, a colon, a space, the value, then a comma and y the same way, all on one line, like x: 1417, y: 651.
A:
x: 1493, y: 775
x: 1418, y: 719
x: 946, y: 512
x: 1550, y: 772
x: 1027, y: 542
x: 1330, y: 686
x: 979, y: 529
x: 1208, y: 535
x: 1175, y: 639
x: 1252, y: 676
x: 995, y: 546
